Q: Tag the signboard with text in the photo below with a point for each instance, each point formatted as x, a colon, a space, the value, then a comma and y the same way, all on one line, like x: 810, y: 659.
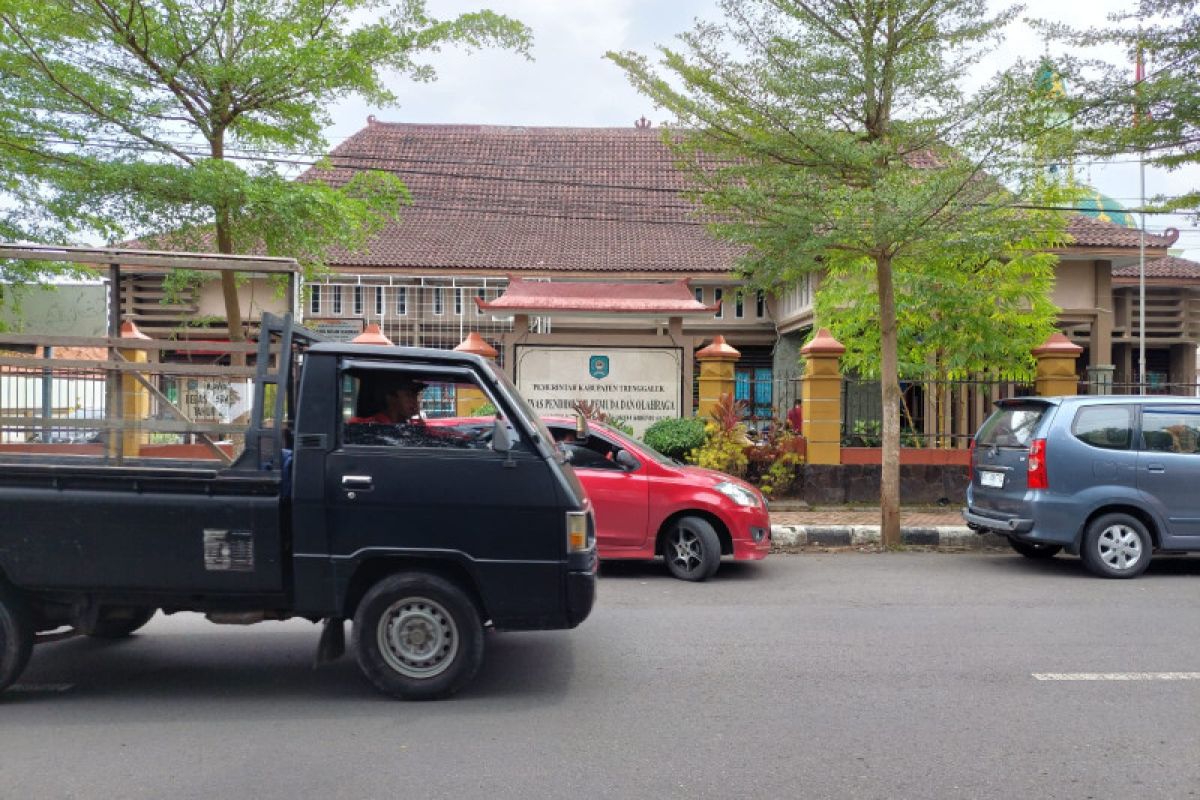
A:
x: 637, y: 385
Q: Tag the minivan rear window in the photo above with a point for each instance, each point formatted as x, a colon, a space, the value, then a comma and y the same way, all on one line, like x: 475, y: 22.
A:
x: 1108, y: 427
x: 1011, y: 426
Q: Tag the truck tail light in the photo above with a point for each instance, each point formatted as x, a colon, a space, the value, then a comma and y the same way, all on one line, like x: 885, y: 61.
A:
x: 578, y: 529
x: 1037, y: 477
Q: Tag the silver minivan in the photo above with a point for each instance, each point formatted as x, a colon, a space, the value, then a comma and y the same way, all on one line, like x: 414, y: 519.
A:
x: 1110, y: 478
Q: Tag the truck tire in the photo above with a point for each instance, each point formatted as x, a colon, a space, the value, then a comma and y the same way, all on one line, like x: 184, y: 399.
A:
x: 119, y: 622
x: 691, y: 549
x: 16, y: 637
x: 418, y: 636
x: 1116, y: 546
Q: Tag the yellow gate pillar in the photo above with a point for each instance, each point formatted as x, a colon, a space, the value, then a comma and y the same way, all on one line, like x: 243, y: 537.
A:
x: 716, y: 373
x: 1056, y: 367
x: 469, y: 400
x: 135, y: 402
x: 821, y: 398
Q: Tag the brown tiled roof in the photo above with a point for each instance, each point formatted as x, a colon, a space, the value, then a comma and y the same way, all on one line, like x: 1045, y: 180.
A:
x: 1169, y: 267
x: 1091, y: 232
x: 514, y: 198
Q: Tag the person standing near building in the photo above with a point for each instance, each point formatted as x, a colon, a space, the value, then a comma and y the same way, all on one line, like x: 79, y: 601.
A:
x: 795, y: 417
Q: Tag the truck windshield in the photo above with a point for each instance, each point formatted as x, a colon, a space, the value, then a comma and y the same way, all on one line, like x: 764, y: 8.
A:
x: 1011, y: 425
x: 523, y: 406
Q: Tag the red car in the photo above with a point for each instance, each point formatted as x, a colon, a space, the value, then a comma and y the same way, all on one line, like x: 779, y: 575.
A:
x: 647, y: 504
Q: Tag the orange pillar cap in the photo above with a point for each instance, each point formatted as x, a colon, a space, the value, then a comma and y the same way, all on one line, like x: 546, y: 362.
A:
x: 130, y: 331
x: 823, y: 344
x: 474, y: 343
x: 1057, y: 345
x: 371, y: 335
x: 719, y: 350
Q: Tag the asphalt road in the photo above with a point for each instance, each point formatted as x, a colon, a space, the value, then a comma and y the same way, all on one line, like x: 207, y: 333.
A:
x: 902, y: 675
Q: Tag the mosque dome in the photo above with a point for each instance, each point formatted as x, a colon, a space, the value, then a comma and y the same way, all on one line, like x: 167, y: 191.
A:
x: 1104, y: 208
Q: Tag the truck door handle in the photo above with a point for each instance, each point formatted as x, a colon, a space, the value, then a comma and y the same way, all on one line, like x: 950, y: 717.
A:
x: 1157, y: 468
x: 357, y: 482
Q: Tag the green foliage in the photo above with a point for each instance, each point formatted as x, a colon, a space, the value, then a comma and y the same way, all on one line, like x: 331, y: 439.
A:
x: 775, y: 459
x: 167, y: 117
x: 675, y: 438
x: 485, y: 410
x: 594, y: 411
x: 725, y: 441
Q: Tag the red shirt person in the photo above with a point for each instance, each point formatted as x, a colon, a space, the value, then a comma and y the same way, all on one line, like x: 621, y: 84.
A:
x: 795, y: 418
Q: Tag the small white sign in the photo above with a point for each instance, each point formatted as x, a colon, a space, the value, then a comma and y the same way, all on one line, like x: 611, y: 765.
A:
x: 216, y: 400
x: 637, y: 385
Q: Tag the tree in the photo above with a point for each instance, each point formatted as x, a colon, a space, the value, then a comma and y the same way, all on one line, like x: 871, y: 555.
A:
x: 830, y: 135
x: 180, y: 117
x: 1116, y: 112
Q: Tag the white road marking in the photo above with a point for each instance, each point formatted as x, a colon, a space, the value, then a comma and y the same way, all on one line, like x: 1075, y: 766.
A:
x: 1117, y: 676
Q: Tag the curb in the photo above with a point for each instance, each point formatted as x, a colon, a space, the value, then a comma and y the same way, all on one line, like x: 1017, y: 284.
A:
x: 942, y: 537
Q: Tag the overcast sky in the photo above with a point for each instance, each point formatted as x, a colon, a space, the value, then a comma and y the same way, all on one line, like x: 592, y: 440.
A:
x: 569, y: 83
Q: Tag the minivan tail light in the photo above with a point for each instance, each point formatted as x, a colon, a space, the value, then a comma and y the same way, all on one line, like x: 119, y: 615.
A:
x: 1037, y: 478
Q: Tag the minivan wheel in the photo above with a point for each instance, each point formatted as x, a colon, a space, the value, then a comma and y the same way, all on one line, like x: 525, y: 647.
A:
x: 1116, y: 546
x: 692, y: 549
x: 16, y: 637
x: 418, y: 636
x: 1035, y: 549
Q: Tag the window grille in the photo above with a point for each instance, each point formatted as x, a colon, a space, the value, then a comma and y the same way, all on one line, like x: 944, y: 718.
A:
x: 401, y: 301
x: 314, y: 301
x: 378, y: 301
x: 438, y: 301
x: 358, y: 301
x: 336, y: 291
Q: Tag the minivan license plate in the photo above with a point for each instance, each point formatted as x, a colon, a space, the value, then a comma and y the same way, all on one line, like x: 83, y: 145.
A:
x: 988, y: 478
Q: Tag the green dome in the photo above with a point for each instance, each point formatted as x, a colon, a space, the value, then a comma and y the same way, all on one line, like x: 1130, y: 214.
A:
x: 1103, y: 207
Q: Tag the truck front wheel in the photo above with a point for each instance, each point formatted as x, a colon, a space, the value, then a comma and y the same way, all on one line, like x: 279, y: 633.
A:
x: 16, y: 637
x: 418, y: 636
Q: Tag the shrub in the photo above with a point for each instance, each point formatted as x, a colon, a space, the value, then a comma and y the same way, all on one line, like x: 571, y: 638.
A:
x: 675, y: 438
x: 725, y: 443
x: 774, y: 458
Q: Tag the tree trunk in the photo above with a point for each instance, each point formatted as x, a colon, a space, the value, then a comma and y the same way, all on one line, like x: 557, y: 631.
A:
x: 889, y: 482
x: 233, y: 309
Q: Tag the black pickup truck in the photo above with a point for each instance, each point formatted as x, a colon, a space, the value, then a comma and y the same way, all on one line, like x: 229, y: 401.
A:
x: 421, y: 535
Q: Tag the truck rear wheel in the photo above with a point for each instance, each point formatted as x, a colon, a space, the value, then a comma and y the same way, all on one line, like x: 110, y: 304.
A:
x: 418, y: 636
x: 16, y: 637
x: 119, y: 622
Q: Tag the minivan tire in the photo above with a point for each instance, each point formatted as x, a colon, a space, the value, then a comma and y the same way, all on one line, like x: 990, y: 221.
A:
x: 16, y: 637
x: 418, y: 636
x: 1037, y: 550
x: 691, y: 549
x: 1116, y: 546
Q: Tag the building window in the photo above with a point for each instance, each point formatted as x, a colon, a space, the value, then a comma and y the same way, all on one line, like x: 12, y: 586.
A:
x: 458, y: 298
x: 358, y: 301
x: 401, y: 300
x: 314, y: 300
x: 739, y: 304
x: 379, y: 301
x: 482, y: 295
x: 337, y: 299
x: 700, y: 294
x: 438, y: 302
x: 760, y: 304
x: 719, y: 298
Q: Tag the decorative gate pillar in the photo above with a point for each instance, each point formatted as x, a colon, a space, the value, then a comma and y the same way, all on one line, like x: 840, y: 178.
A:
x: 135, y: 401
x: 821, y: 397
x: 716, y: 373
x: 1056, y: 366
x: 371, y: 334
x: 469, y: 400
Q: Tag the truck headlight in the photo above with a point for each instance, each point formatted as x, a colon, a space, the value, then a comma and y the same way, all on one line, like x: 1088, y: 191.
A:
x: 738, y: 494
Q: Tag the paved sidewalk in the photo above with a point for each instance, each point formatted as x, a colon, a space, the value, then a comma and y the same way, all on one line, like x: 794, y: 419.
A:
x: 825, y: 526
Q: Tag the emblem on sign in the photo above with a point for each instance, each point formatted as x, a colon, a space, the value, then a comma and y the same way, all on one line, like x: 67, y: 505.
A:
x: 598, y: 367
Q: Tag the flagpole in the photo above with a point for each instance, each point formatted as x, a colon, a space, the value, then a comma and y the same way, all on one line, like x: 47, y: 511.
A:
x: 1142, y: 279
